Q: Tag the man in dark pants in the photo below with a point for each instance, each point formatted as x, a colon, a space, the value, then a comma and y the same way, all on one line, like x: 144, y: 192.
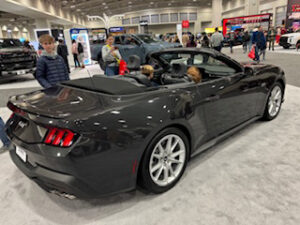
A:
x: 62, y: 50
x: 271, y: 38
x: 6, y: 142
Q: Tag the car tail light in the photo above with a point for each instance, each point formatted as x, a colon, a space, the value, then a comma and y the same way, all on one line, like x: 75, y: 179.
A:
x: 59, y: 137
x: 15, y: 109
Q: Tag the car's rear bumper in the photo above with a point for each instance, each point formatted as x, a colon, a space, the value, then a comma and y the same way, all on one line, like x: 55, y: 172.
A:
x: 52, y: 181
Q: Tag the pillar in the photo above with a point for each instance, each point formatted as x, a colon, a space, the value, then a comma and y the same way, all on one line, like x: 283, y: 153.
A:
x: 252, y: 7
x: 216, y: 13
x: 1, y: 34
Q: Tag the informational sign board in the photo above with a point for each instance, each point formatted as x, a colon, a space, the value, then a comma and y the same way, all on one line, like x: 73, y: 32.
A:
x: 40, y: 32
x: 252, y: 19
x: 81, y: 36
x: 179, y: 32
x: 293, y: 14
x: 116, y: 29
x: 185, y: 23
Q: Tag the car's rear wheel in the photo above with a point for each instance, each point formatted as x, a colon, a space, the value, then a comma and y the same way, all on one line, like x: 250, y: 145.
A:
x: 274, y: 102
x: 164, y: 161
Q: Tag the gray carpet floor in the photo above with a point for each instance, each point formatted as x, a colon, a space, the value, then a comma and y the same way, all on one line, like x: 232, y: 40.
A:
x: 252, y: 178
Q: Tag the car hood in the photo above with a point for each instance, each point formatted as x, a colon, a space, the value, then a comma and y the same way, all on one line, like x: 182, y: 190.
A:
x: 291, y: 35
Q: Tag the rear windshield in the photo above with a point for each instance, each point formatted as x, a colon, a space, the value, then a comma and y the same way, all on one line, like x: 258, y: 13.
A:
x: 10, y: 43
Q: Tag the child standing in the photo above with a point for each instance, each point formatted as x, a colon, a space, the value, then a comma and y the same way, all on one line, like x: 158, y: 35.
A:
x: 51, y: 68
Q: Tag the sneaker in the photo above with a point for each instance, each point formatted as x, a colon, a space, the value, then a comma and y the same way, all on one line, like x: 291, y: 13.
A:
x: 4, y: 148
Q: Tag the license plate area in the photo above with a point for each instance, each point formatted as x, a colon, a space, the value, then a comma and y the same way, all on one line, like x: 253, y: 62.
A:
x: 21, y: 153
x: 21, y: 72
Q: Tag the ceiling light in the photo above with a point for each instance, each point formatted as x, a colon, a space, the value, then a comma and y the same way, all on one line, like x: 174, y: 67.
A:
x: 72, y: 6
x: 106, y: 7
x: 129, y: 2
x: 103, y: 3
x: 194, y: 0
x: 169, y: 3
x: 151, y: 3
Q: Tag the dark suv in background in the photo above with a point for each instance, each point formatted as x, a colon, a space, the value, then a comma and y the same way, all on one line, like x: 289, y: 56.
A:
x: 15, y: 59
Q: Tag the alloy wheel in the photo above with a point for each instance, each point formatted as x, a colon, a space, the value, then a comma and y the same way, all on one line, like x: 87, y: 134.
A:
x: 167, y: 160
x: 275, y: 101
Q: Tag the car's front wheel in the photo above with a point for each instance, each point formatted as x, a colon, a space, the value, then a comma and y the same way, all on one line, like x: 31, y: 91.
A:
x: 274, y: 102
x: 164, y: 161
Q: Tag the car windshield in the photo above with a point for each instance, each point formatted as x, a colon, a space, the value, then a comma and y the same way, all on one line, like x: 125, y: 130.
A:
x: 10, y: 43
x: 147, y: 39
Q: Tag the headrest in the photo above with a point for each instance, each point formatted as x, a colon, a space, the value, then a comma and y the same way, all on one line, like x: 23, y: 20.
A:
x: 178, y: 69
x: 134, y: 62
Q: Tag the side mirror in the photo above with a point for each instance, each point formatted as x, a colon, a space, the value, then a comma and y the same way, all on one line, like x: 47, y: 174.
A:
x: 248, y: 72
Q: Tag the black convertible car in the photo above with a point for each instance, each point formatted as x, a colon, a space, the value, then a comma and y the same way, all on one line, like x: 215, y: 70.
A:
x: 101, y: 135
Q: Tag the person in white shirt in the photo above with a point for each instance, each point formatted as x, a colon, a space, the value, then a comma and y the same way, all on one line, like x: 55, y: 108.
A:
x: 111, y: 57
x: 216, y: 40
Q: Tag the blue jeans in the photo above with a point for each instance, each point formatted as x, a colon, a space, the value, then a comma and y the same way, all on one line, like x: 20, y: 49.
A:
x: 3, y: 136
x: 111, y: 70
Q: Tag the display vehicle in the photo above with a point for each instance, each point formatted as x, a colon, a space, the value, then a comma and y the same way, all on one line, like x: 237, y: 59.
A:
x: 15, y: 59
x: 290, y: 40
x: 133, y: 44
x: 102, y: 135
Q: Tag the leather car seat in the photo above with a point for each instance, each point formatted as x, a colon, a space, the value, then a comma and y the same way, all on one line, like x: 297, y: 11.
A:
x: 178, y: 70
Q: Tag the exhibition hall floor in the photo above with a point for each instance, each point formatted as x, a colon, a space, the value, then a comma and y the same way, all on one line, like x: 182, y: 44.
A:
x: 252, y: 178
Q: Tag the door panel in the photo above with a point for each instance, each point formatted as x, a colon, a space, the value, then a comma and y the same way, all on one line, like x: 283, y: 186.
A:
x: 227, y: 103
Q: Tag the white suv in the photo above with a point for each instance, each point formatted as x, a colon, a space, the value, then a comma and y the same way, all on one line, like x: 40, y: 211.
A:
x: 290, y: 40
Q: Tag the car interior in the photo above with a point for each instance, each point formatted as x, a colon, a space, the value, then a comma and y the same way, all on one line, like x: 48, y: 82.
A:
x: 171, y: 68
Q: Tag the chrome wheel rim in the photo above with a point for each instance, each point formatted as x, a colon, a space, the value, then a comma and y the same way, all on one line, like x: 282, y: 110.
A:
x: 167, y: 160
x: 275, y: 101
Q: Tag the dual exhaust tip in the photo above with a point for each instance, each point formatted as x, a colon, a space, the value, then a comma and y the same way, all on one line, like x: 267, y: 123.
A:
x: 62, y: 194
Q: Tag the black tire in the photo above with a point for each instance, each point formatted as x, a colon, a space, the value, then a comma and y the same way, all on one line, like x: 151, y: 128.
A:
x: 145, y: 179
x: 286, y: 47
x: 267, y: 116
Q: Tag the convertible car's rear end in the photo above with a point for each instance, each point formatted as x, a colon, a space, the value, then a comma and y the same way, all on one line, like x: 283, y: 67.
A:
x: 64, y: 142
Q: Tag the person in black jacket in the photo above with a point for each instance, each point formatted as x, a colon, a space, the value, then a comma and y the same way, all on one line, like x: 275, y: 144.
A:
x: 62, y: 50
x: 246, y: 39
x: 51, y: 68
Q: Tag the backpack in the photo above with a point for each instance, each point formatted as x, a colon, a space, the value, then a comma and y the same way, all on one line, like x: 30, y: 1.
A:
x: 80, y: 48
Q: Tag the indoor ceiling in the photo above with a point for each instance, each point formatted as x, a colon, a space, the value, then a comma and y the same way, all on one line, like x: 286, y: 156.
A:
x: 14, y: 20
x: 112, y: 7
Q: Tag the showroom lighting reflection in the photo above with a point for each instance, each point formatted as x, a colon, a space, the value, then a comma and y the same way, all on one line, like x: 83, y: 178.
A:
x: 116, y: 112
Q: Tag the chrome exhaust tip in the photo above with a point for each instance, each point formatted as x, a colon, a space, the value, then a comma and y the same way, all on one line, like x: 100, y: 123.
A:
x: 62, y: 194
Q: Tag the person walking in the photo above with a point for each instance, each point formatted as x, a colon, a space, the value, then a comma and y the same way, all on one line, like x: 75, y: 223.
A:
x: 246, y: 39
x: 216, y: 40
x: 111, y: 57
x: 191, y: 43
x: 51, y: 68
x: 80, y: 53
x: 75, y: 53
x: 204, y: 40
x: 271, y: 38
x: 3, y: 137
x: 259, y: 41
x: 62, y: 50
x: 231, y: 40
x: 185, y: 39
